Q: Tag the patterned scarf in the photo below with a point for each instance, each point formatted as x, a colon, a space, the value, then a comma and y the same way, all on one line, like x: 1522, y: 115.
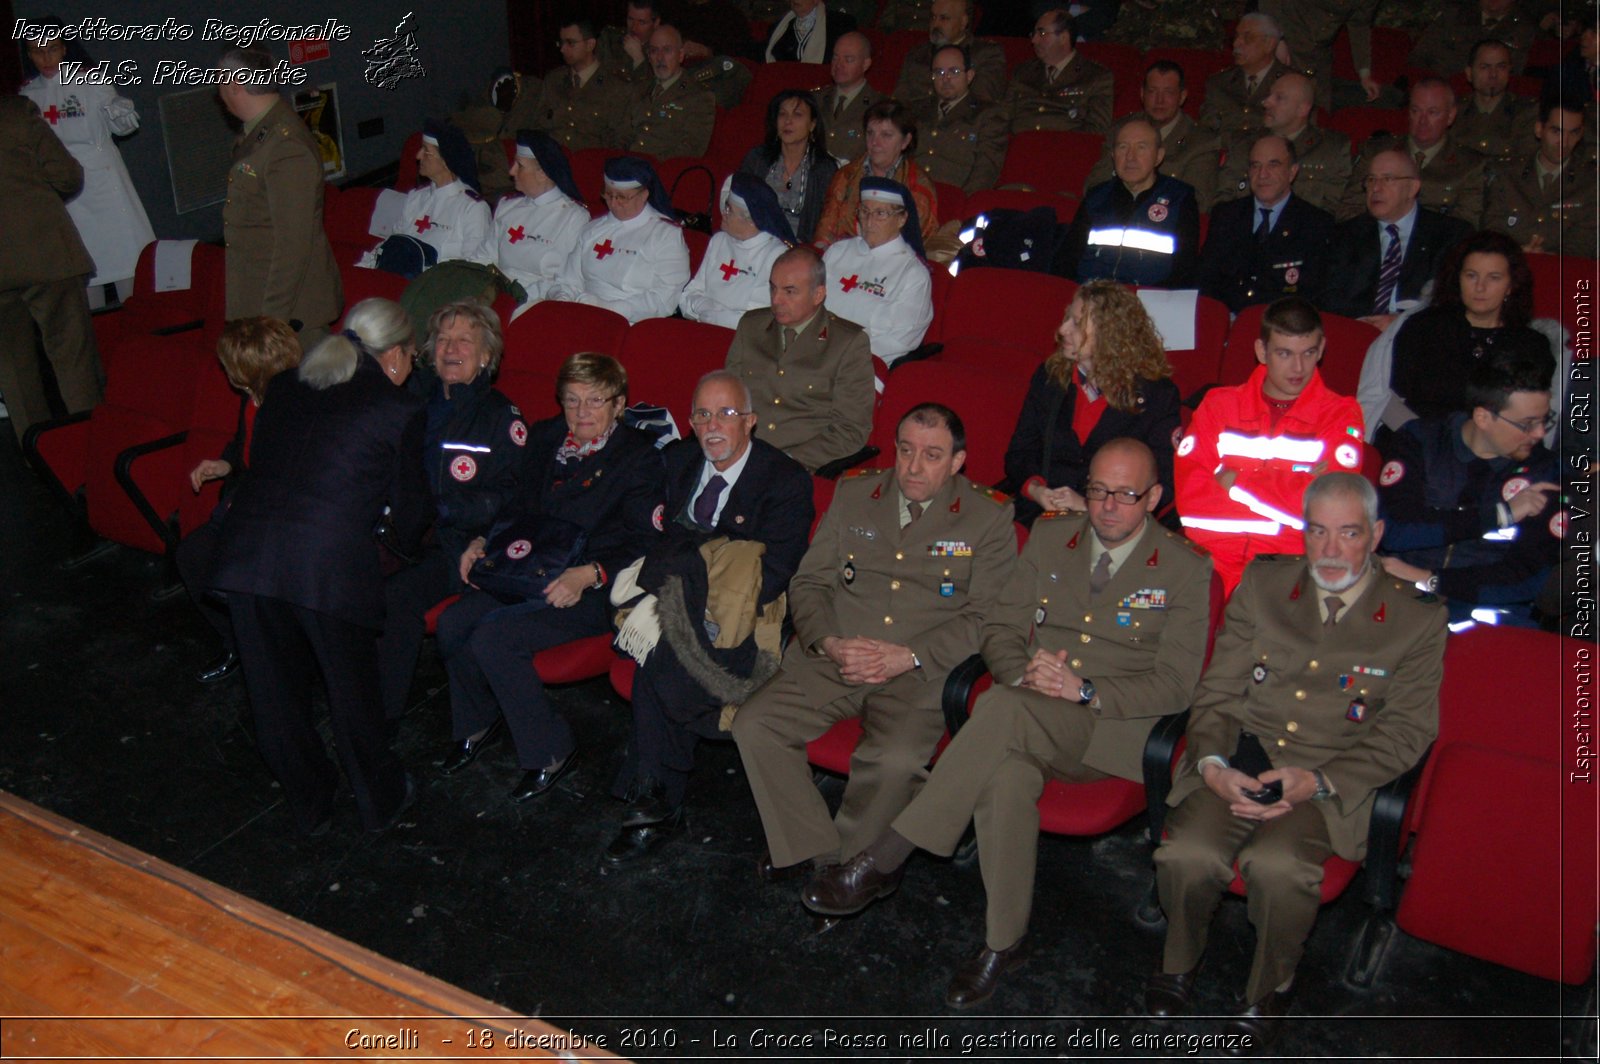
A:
x: 570, y: 447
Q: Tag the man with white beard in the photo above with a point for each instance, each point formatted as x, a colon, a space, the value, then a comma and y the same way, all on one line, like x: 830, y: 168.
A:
x: 1324, y: 686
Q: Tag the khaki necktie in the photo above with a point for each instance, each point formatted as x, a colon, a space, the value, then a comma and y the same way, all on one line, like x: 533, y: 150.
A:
x: 838, y: 106
x: 1101, y: 576
x: 1334, y: 604
x: 1422, y: 158
x: 915, y: 510
x: 1544, y: 181
x: 788, y: 337
x: 1250, y: 85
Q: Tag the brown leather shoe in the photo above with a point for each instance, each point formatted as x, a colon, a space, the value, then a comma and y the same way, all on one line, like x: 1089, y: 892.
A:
x: 974, y: 982
x: 1170, y: 995
x: 1258, y: 1025
x: 844, y: 890
x: 776, y: 873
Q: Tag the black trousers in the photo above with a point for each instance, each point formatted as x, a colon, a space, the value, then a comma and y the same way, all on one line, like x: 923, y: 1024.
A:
x: 488, y: 650
x: 671, y: 714
x: 408, y: 595
x: 196, y: 554
x: 282, y: 647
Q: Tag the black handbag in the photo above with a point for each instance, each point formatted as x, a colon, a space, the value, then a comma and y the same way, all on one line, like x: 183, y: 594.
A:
x: 524, y: 554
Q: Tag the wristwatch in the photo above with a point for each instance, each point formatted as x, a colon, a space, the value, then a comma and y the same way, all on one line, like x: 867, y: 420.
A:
x: 1086, y: 692
x: 1323, y: 792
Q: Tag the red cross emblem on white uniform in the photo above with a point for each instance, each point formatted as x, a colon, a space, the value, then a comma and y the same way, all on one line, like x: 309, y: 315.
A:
x: 520, y: 549
x: 847, y: 283
x: 464, y: 468
x: 514, y: 235
x: 729, y: 270
x: 602, y: 250
x: 423, y: 224
x: 52, y: 115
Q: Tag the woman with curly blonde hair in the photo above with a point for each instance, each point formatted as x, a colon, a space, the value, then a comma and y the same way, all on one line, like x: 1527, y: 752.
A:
x: 1107, y: 377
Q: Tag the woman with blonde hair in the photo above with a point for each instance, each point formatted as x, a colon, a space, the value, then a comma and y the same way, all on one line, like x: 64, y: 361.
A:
x: 1108, y: 377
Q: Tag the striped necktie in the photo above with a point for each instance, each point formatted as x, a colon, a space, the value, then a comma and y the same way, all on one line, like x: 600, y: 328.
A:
x: 1389, y: 272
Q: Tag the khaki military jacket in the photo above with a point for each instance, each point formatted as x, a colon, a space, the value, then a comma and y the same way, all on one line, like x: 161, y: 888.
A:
x: 1191, y: 156
x: 1359, y: 702
x: 1564, y: 214
x: 1078, y: 101
x: 1232, y: 111
x: 279, y: 263
x: 671, y: 122
x: 595, y: 116
x: 846, y: 139
x: 1502, y: 134
x: 37, y: 176
x: 1452, y: 182
x: 1447, y: 41
x: 966, y: 147
x: 1141, y: 641
x: 915, y: 83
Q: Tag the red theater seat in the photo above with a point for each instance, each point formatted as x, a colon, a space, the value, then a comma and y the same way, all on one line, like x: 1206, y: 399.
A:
x: 1051, y: 160
x: 550, y: 330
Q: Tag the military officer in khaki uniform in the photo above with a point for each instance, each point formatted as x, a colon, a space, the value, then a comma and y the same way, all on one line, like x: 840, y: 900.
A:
x: 1490, y: 121
x: 961, y: 138
x: 279, y: 263
x: 673, y: 114
x: 1189, y: 153
x: 624, y: 51
x: 43, y: 271
x: 1327, y: 670
x: 904, y: 15
x: 582, y: 105
x: 901, y: 572
x: 1101, y: 630
x: 1309, y: 28
x: 1323, y: 155
x: 951, y: 23
x: 1447, y: 41
x: 809, y: 371
x: 1452, y: 177
x: 1547, y: 203
x: 1234, y: 96
x: 844, y: 103
x: 1058, y: 88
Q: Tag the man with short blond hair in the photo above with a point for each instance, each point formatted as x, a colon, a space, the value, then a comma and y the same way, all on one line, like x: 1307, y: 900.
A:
x: 1452, y: 178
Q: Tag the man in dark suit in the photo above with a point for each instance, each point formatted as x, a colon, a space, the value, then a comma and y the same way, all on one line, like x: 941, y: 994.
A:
x: 807, y: 33
x: 1381, y: 260
x: 1270, y: 243
x: 724, y: 484
x: 335, y: 442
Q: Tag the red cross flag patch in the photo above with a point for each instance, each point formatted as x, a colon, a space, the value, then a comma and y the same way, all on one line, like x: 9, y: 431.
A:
x: 1558, y: 525
x: 1157, y: 212
x: 1347, y: 455
x: 1186, y: 446
x: 519, y: 549
x: 464, y: 468
x: 1391, y: 474
x: 1291, y: 275
x: 1513, y: 487
x: 519, y: 433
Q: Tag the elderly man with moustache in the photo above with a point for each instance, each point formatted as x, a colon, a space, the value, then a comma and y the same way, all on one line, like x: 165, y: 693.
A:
x: 1323, y: 686
x: 725, y: 484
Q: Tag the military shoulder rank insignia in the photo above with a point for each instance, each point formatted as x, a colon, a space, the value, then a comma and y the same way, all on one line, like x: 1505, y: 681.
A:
x: 994, y: 495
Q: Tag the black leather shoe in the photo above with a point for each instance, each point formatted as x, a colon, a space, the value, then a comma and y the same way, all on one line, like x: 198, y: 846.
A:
x: 775, y: 873
x: 466, y: 751
x: 1170, y: 995
x: 219, y: 668
x: 641, y: 840
x: 974, y: 982
x: 1258, y: 1025
x: 407, y: 800
x: 538, y: 781
x: 843, y: 890
x: 648, y: 805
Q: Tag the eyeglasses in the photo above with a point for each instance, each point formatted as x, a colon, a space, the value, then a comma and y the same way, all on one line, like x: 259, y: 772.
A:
x: 593, y: 402
x: 949, y: 72
x: 1528, y: 426
x: 1096, y: 493
x: 623, y: 195
x: 727, y: 413
x: 879, y: 214
x: 1372, y: 181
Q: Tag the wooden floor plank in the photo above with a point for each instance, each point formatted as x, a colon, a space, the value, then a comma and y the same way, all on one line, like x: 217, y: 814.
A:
x: 149, y: 958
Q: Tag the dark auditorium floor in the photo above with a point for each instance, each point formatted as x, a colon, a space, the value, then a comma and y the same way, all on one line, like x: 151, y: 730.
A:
x: 102, y: 723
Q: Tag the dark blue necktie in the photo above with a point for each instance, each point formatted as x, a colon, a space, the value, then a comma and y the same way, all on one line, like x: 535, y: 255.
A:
x: 705, y: 507
x: 1264, y: 229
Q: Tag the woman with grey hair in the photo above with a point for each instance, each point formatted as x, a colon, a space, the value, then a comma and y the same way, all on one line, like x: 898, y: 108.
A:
x: 472, y: 455
x: 336, y: 449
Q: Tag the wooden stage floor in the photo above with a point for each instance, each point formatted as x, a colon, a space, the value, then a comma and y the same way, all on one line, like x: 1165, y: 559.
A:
x: 109, y: 953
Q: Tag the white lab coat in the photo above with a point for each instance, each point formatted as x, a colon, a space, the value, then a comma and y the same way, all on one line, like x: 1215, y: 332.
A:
x: 886, y: 290
x: 637, y: 268
x: 732, y: 279
x: 108, y: 213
